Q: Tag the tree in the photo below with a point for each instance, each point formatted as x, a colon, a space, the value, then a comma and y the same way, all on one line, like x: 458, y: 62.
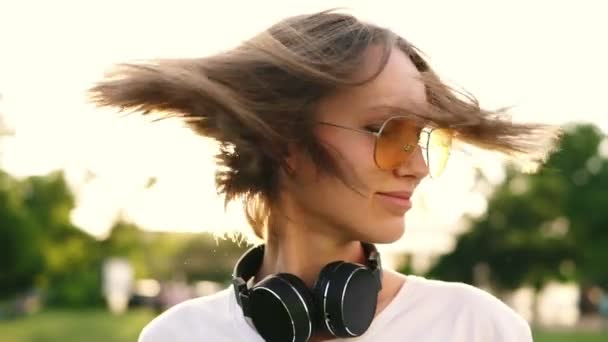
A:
x: 71, y: 274
x: 544, y: 226
x: 21, y: 259
x: 166, y: 255
x: 20, y: 262
x: 206, y: 258
x: 50, y: 201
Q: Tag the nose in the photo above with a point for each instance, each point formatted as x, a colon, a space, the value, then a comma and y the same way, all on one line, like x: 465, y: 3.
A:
x: 415, y: 166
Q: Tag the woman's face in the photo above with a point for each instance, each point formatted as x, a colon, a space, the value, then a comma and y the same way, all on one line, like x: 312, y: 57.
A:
x: 375, y: 211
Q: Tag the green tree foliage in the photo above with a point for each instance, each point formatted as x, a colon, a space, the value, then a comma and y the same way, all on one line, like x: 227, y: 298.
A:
x: 543, y: 226
x: 164, y: 256
x: 150, y: 253
x: 21, y: 259
x: 49, y: 201
x: 126, y: 240
x: 71, y: 275
x: 40, y: 248
x: 205, y: 258
x: 19, y: 263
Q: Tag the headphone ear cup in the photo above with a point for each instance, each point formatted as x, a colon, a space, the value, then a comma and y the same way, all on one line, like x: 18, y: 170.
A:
x: 323, y: 278
x: 282, y: 308
x: 305, y: 292
x: 347, y: 296
x: 320, y: 292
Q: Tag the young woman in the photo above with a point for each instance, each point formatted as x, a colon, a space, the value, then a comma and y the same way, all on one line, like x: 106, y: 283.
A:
x: 327, y: 124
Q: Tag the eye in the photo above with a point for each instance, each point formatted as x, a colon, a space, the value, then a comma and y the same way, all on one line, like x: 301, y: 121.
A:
x: 372, y: 128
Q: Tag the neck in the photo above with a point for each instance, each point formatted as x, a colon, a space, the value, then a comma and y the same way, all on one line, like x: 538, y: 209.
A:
x: 292, y: 246
x: 302, y: 245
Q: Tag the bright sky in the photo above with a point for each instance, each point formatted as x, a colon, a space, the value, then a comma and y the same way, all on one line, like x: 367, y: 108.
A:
x: 546, y: 57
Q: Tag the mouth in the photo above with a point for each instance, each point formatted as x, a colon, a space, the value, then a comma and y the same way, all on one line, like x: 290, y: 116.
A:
x: 397, y: 201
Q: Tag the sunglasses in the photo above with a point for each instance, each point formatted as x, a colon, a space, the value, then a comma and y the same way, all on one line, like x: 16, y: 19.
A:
x: 397, y: 140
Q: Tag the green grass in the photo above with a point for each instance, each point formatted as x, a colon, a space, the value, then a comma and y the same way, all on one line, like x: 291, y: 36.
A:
x: 68, y: 326
x: 100, y: 326
x: 547, y: 336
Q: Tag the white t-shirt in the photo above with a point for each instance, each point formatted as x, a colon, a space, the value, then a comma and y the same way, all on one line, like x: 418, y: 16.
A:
x: 423, y: 310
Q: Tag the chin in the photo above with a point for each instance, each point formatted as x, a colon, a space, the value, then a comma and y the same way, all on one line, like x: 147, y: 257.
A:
x: 386, y: 232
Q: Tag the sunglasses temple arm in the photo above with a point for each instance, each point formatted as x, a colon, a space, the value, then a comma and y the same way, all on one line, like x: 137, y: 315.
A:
x: 349, y: 128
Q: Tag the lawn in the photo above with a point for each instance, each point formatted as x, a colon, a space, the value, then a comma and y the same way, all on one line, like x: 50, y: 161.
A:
x: 68, y: 326
x: 546, y: 336
x: 99, y: 326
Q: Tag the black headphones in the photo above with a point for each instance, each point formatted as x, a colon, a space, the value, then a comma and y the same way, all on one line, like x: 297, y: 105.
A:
x: 282, y: 308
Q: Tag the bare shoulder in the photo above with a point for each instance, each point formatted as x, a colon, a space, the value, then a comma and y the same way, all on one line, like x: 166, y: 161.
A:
x: 481, y: 308
x: 189, y: 320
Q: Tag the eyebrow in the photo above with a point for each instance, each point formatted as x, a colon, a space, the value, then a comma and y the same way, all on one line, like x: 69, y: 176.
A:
x: 391, y: 110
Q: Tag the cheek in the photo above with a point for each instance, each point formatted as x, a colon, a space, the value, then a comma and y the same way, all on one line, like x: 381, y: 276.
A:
x: 358, y: 164
x: 352, y: 151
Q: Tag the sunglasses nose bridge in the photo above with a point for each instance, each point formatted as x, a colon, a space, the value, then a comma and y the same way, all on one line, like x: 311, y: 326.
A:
x: 422, y: 142
x: 409, y: 150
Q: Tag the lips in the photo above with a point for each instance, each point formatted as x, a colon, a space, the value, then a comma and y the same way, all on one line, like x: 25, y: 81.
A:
x: 397, y: 202
x: 397, y: 194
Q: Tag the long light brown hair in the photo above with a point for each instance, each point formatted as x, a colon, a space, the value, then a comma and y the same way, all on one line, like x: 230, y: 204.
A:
x: 259, y: 97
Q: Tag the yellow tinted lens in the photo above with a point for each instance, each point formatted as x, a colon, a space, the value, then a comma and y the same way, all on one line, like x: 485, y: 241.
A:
x: 395, y: 143
x: 438, y: 151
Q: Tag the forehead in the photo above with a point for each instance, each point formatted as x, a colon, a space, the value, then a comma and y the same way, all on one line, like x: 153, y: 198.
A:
x: 398, y: 86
